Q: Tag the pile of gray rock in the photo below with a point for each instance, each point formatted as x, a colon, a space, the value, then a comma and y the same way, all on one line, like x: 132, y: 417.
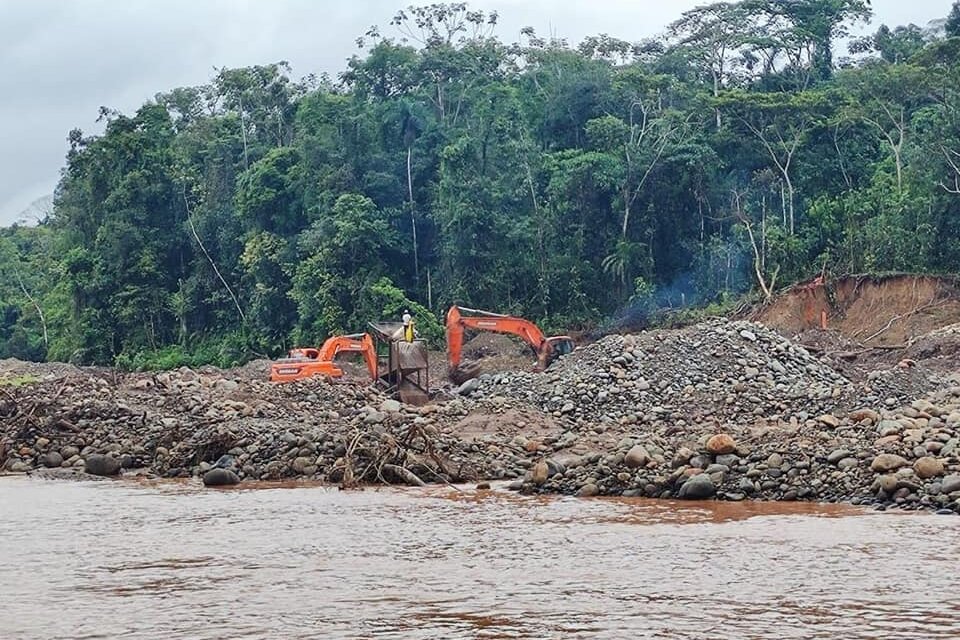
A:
x: 225, y: 429
x: 715, y: 370
x: 908, y: 456
x: 725, y: 410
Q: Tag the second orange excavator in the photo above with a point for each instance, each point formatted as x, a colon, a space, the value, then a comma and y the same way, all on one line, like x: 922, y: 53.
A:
x: 547, y: 349
x: 309, y: 362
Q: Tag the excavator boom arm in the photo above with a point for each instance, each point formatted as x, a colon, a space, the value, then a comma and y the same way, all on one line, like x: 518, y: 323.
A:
x: 360, y: 342
x: 309, y: 361
x: 457, y: 322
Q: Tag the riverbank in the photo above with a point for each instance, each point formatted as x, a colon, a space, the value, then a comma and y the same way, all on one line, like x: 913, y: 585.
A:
x: 724, y: 409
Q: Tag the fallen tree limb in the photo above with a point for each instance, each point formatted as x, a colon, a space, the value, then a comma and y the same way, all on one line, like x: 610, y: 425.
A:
x: 404, y: 474
x: 443, y: 480
x: 853, y: 355
x: 901, y: 316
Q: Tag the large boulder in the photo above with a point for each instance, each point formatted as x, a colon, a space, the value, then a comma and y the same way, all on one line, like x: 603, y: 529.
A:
x: 100, y: 465
x: 837, y: 455
x: 468, y: 387
x: 302, y: 464
x: 829, y: 420
x: 52, y: 459
x: 887, y: 483
x: 698, y: 487
x: 588, y: 490
x: 637, y: 457
x: 951, y: 483
x: 220, y: 478
x: 540, y: 472
x: 928, y: 467
x: 69, y: 451
x: 721, y: 444
x: 886, y: 462
x: 390, y: 406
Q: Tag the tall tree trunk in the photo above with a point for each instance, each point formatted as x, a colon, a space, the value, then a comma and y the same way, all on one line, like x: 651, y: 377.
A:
x: 783, y: 203
x: 429, y: 290
x: 790, y: 199
x: 763, y: 232
x: 36, y: 306
x: 243, y: 133
x: 626, y: 212
x: 182, y: 314
x: 716, y: 94
x: 413, y: 219
x: 196, y: 236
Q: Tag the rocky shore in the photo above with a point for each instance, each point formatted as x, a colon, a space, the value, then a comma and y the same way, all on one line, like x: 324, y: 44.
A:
x: 724, y: 409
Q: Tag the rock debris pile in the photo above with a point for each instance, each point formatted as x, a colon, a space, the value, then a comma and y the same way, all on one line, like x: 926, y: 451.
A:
x: 909, y: 456
x: 225, y: 429
x: 716, y: 370
x: 724, y: 409
x: 735, y: 411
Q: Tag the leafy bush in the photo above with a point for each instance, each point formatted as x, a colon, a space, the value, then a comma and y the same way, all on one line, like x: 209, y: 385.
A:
x: 230, y: 350
x: 386, y: 301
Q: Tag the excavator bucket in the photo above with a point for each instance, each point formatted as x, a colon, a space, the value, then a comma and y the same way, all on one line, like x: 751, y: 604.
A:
x: 464, y: 371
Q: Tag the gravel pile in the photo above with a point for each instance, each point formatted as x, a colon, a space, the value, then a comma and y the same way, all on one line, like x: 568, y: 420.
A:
x: 640, y: 411
x: 715, y: 370
x: 188, y: 423
x: 725, y: 410
x: 908, y: 456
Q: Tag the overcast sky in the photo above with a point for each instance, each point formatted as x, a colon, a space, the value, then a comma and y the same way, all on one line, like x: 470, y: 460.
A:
x: 61, y: 60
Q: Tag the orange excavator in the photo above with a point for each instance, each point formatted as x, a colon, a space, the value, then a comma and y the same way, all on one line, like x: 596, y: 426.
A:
x: 547, y: 349
x: 309, y: 362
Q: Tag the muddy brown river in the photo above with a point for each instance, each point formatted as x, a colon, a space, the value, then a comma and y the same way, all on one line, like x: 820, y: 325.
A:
x: 162, y: 560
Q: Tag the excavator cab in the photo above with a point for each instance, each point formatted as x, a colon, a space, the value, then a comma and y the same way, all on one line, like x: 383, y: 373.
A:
x: 560, y: 345
x: 304, y: 354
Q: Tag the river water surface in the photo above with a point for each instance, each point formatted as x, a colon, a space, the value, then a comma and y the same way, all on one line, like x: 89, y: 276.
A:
x: 140, y: 560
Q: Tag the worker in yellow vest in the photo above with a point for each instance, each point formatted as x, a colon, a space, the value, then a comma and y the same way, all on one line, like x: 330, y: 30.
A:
x: 408, y: 333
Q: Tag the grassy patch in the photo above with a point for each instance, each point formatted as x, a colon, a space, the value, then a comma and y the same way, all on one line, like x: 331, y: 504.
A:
x: 19, y: 381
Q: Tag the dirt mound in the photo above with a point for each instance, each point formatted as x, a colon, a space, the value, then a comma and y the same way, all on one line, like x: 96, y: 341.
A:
x: 493, y: 353
x: 15, y: 371
x: 870, y: 311
x: 254, y: 370
x: 713, y: 370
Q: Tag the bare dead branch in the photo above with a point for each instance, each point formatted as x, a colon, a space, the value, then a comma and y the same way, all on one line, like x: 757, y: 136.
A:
x: 213, y: 264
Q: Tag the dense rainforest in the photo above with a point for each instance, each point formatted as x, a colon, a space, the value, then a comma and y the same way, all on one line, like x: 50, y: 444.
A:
x: 754, y: 144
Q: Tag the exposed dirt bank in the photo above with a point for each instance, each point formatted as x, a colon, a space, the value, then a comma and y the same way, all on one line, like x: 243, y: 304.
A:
x: 866, y: 310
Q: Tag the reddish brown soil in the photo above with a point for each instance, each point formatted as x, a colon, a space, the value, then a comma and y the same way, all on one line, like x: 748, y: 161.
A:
x: 535, y: 425
x: 867, y: 311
